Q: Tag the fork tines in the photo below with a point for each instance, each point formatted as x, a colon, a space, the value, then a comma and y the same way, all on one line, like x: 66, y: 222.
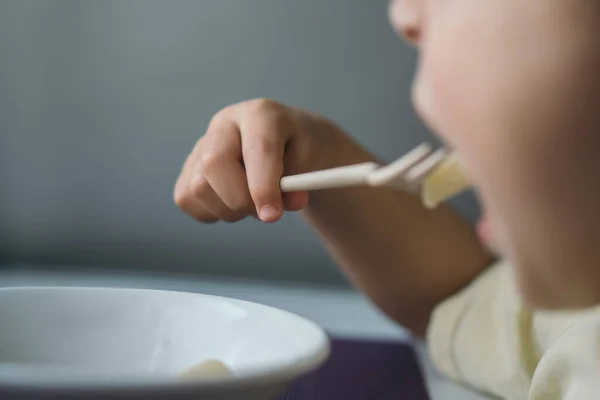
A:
x: 409, y: 170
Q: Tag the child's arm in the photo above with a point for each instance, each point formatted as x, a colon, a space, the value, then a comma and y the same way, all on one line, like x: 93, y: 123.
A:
x: 407, y: 259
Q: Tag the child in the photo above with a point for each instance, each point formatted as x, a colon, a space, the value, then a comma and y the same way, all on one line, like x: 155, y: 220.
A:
x: 514, y: 87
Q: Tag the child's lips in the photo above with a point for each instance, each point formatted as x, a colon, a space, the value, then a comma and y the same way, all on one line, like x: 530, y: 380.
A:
x: 484, y: 231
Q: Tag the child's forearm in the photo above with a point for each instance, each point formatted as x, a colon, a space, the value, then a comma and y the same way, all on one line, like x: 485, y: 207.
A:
x: 406, y: 258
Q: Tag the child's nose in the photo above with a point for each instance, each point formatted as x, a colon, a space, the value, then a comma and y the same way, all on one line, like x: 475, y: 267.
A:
x: 406, y: 17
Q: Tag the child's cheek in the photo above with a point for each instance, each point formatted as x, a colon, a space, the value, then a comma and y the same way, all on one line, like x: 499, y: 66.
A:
x: 451, y: 102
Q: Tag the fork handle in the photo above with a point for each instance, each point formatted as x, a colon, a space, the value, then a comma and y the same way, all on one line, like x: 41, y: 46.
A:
x: 351, y: 175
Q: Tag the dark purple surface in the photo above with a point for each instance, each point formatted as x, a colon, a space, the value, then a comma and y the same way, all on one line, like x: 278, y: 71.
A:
x: 356, y: 370
x: 363, y: 370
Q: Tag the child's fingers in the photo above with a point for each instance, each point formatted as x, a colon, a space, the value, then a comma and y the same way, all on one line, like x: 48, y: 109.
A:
x: 195, y: 209
x: 236, y: 168
x: 183, y: 194
x: 263, y: 144
x: 210, y: 202
x: 187, y: 201
x: 219, y: 171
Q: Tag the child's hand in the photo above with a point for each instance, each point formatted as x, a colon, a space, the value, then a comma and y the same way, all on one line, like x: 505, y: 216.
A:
x: 235, y: 168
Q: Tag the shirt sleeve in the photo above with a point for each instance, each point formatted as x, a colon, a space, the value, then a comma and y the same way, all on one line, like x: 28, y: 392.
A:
x: 486, y: 337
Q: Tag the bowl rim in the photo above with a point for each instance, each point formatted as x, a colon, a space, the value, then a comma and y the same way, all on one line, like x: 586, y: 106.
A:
x: 275, y: 374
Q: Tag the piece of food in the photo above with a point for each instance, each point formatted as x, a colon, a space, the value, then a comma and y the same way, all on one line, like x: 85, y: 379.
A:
x: 207, y: 369
x: 445, y: 181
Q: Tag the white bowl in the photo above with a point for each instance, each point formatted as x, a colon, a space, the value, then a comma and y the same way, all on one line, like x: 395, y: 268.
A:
x: 60, y: 342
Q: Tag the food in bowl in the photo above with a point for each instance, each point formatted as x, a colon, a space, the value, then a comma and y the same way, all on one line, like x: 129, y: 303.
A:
x: 207, y: 369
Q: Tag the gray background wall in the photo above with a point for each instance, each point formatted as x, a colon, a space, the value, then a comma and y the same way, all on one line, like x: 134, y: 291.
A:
x: 100, y: 101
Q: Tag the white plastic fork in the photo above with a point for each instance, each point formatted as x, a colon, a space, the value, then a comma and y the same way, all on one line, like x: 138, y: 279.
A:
x: 406, y: 173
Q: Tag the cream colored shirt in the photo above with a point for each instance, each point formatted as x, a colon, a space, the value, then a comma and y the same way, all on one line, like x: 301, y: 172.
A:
x: 486, y: 338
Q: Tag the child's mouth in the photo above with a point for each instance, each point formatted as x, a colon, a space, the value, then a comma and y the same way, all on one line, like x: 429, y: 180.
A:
x: 484, y: 231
